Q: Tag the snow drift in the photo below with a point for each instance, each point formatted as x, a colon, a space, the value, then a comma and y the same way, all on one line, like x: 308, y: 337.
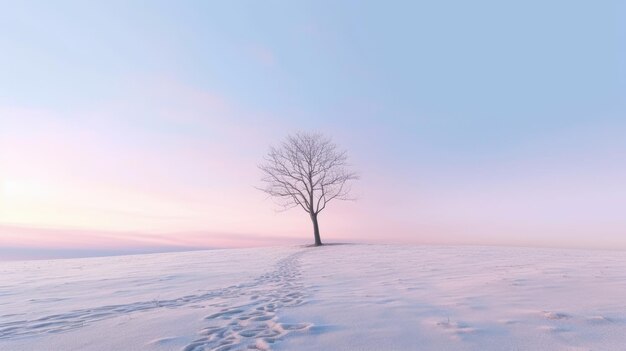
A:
x: 339, y: 297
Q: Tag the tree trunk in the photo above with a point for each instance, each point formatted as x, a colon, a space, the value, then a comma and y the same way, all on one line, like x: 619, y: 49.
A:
x: 316, y: 230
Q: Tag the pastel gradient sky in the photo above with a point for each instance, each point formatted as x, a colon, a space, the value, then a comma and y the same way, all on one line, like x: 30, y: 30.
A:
x: 129, y: 126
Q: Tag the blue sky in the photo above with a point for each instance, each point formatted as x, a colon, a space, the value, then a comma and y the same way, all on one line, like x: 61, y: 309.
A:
x: 471, y: 122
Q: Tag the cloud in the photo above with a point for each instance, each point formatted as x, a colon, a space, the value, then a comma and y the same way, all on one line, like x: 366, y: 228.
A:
x: 162, y: 156
x: 263, y: 55
x: 23, y: 242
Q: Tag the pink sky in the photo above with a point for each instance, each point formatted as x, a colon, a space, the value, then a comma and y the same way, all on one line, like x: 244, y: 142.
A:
x: 135, y: 125
x: 127, y: 124
x: 181, y: 173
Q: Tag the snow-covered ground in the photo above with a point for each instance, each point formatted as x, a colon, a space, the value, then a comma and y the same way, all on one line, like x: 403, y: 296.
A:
x: 339, y: 297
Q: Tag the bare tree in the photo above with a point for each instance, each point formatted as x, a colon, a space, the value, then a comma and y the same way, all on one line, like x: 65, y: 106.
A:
x: 308, y: 171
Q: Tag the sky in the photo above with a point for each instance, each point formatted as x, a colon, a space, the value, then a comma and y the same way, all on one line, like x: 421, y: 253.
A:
x: 130, y: 126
